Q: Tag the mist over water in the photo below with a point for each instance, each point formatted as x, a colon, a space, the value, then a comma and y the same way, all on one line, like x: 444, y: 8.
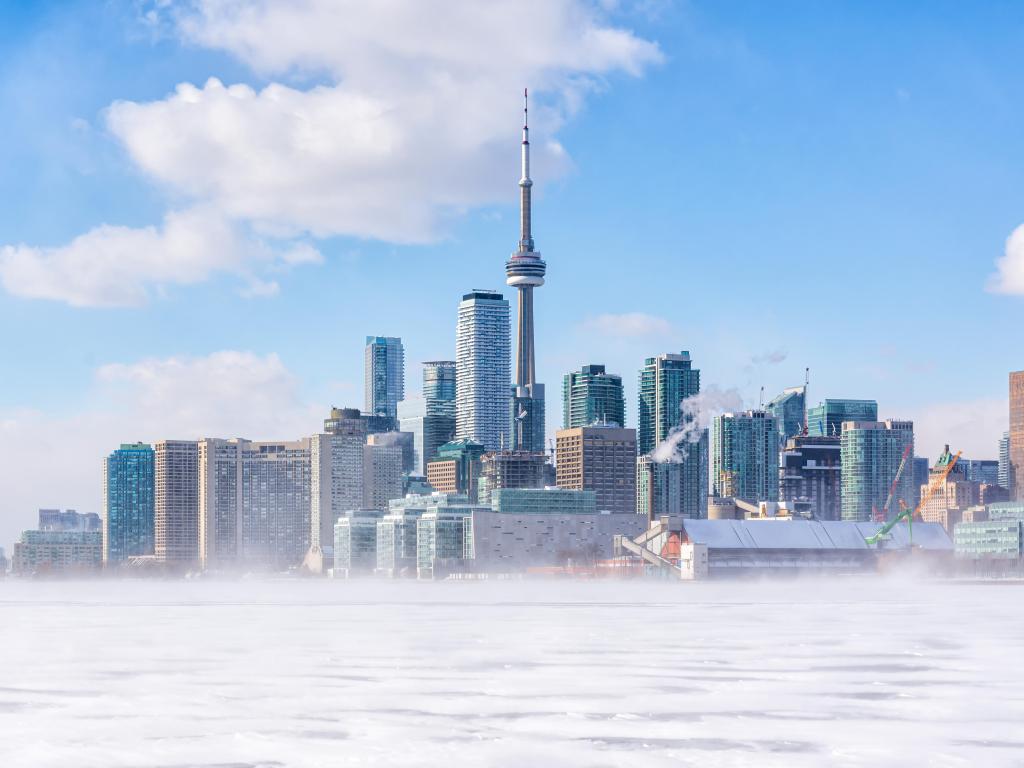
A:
x: 865, y: 671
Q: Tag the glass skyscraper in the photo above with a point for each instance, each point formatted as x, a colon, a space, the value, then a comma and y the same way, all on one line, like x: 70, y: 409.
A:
x: 826, y: 419
x: 483, y: 370
x: 870, y: 452
x: 592, y: 396
x: 789, y: 411
x: 439, y: 406
x: 745, y: 451
x: 128, y: 499
x: 385, y: 375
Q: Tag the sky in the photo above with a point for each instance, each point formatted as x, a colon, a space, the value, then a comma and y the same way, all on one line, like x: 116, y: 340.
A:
x: 208, y: 205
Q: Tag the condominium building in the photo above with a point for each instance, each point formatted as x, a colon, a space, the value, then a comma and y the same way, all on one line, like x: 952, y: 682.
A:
x: 128, y: 489
x: 176, y: 501
x: 64, y: 542
x: 601, y: 459
x: 411, y: 414
x: 811, y: 471
x: 789, y: 410
x: 355, y: 542
x: 382, y: 471
x: 826, y: 419
x: 745, y: 456
x: 871, y: 452
x: 592, y: 396
x: 337, y: 478
x: 1004, y: 460
x: 456, y: 468
x: 384, y: 367
x: 439, y: 406
x: 1016, y: 439
x: 482, y: 359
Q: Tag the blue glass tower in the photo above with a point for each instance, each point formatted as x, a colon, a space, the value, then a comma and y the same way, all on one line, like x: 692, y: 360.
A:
x: 128, y: 485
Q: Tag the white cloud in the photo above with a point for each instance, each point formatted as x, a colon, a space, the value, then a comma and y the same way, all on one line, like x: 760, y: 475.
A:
x: 971, y: 426
x: 57, y: 457
x: 1009, y: 277
x: 121, y: 266
x: 629, y: 324
x: 415, y: 121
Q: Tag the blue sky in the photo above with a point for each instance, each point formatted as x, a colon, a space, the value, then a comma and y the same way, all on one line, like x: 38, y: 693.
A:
x: 768, y: 186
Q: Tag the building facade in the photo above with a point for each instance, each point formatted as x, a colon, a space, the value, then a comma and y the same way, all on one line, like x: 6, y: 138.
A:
x: 482, y: 360
x: 592, y: 396
x: 509, y: 469
x: 384, y: 373
x: 439, y: 406
x: 826, y: 419
x: 1016, y: 438
x: 870, y: 453
x: 383, y: 478
x: 411, y: 413
x: 336, y: 458
x: 456, y: 468
x: 811, y: 471
x: 601, y: 459
x: 355, y: 542
x: 745, y: 456
x: 789, y: 410
x: 128, y: 503
x: 63, y: 543
x: 176, y: 501
x: 1004, y: 460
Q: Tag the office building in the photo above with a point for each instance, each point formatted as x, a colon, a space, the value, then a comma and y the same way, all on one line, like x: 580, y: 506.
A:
x: 665, y: 382
x: 789, y: 410
x: 1004, y: 460
x: 456, y: 468
x: 995, y: 546
x: 336, y: 458
x: 592, y: 396
x: 63, y: 543
x: 745, y: 456
x: 444, y: 540
x: 980, y: 470
x: 482, y: 360
x: 826, y: 419
x: 525, y: 271
x: 601, y: 459
x: 355, y: 542
x: 128, y: 496
x: 383, y: 478
x: 411, y: 413
x: 255, y: 503
x: 396, y: 538
x: 870, y: 453
x: 509, y: 469
x: 176, y: 501
x: 811, y: 472
x: 967, y: 485
x: 543, y: 501
x: 384, y: 371
x: 439, y: 407
x: 921, y: 469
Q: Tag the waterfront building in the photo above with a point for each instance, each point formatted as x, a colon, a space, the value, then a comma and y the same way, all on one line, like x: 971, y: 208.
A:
x: 1016, y: 436
x: 870, y: 454
x: 336, y: 458
x: 355, y: 542
x: 525, y: 271
x: 1004, y: 460
x: 444, y: 541
x: 128, y: 491
x: 456, y: 468
x: 746, y: 456
x: 396, y: 542
x: 827, y: 418
x: 592, y: 396
x: 411, y: 414
x: 811, y: 471
x: 789, y: 410
x: 176, y: 501
x: 383, y: 478
x: 665, y: 382
x: 482, y: 360
x: 543, y: 501
x: 601, y: 459
x: 994, y: 546
x: 384, y: 371
x: 64, y: 542
x: 509, y: 469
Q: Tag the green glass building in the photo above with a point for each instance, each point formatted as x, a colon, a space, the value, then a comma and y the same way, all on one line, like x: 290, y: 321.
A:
x: 870, y: 454
x: 827, y: 418
x: 129, y: 503
x: 592, y: 396
x: 745, y: 456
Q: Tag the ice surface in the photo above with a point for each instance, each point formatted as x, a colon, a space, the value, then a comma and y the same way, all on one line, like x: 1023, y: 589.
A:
x: 865, y: 672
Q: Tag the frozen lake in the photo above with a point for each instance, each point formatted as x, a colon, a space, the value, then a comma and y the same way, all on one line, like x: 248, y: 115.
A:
x: 315, y: 673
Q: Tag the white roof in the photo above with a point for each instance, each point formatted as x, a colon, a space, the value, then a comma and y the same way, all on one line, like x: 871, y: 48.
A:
x: 808, y: 534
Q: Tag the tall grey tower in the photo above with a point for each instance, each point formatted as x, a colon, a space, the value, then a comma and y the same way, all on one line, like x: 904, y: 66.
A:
x: 524, y: 272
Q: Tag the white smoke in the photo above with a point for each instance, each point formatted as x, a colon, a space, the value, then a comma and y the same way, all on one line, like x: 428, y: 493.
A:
x: 695, y: 414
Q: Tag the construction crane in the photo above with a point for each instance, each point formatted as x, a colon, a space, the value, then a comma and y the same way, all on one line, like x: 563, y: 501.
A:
x: 880, y: 517
x: 909, y: 514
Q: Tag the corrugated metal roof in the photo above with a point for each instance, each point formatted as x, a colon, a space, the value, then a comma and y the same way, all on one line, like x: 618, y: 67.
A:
x: 808, y: 535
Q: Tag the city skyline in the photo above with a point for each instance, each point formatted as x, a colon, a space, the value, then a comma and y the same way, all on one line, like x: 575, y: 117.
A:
x: 109, y: 374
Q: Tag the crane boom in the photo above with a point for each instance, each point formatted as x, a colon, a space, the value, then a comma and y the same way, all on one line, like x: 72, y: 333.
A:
x: 896, y: 480
x: 907, y: 512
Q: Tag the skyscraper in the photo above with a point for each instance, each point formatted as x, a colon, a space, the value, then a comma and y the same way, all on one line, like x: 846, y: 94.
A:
x: 871, y: 452
x: 1016, y: 443
x: 826, y: 419
x: 745, y: 450
x: 176, y: 501
x: 525, y: 271
x: 789, y: 412
x: 439, y: 407
x: 592, y: 396
x: 1004, y: 460
x: 411, y: 413
x: 600, y: 458
x: 382, y: 470
x: 128, y: 503
x: 385, y: 375
x: 336, y: 459
x: 482, y: 354
x: 811, y: 471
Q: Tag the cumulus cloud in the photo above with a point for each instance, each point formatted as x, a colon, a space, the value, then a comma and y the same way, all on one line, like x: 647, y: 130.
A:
x: 629, y: 324
x: 121, y: 266
x: 1009, y: 277
x: 225, y: 394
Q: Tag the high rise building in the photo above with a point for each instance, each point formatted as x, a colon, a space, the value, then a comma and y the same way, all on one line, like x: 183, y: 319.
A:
x: 811, y: 471
x: 984, y: 471
x: 952, y: 493
x: 382, y: 471
x: 871, y: 452
x: 921, y: 470
x: 128, y: 503
x: 411, y: 413
x: 1016, y: 441
x: 1004, y: 460
x: 827, y: 418
x: 592, y: 396
x: 525, y: 271
x: 176, y: 501
x: 456, y: 468
x: 384, y: 360
x: 601, y: 459
x: 254, y: 503
x: 789, y: 410
x: 665, y: 383
x: 336, y: 458
x: 745, y: 451
x: 482, y: 353
x: 509, y: 469
x: 439, y: 406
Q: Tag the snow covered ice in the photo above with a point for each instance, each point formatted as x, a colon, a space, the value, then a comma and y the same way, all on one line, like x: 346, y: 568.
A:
x: 865, y: 672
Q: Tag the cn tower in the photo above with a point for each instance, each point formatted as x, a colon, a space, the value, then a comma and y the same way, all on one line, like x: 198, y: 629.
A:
x: 525, y: 271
